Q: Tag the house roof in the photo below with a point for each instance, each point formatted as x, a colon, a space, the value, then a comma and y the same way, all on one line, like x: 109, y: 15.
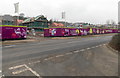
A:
x: 57, y: 25
x: 37, y: 18
x: 27, y: 20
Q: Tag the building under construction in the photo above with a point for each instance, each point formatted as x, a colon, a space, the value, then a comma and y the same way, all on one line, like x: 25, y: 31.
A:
x: 38, y: 23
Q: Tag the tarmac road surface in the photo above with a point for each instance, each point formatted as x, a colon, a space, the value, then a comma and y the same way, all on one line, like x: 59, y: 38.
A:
x: 66, y: 57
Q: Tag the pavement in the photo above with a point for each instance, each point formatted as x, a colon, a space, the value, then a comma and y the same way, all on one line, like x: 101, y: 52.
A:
x: 61, y: 57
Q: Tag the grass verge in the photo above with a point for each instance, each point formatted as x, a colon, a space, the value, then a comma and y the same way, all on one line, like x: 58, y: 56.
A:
x: 115, y: 42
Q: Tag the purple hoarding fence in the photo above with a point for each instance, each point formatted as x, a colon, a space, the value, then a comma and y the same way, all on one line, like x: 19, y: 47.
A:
x: 76, y: 31
x: 13, y: 32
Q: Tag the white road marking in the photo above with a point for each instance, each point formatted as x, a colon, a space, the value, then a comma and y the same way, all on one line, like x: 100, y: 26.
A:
x: 59, y: 56
x: 30, y: 63
x: 35, y: 62
x: 88, y: 48
x: 96, y: 46
x: 104, y: 44
x: 69, y: 53
x: 20, y: 71
x: 15, y: 67
x: 93, y: 47
x: 10, y: 46
x: 76, y: 51
x: 3, y: 75
x: 34, y: 72
x: 46, y: 59
x: 7, y: 46
x: 82, y: 50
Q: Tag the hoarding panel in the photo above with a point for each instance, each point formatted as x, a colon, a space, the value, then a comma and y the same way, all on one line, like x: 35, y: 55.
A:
x: 14, y: 32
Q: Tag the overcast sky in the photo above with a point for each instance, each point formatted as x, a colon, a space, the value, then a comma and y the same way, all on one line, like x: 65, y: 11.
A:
x: 92, y: 11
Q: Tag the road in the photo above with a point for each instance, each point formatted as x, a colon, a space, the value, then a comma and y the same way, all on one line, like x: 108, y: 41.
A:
x: 61, y: 57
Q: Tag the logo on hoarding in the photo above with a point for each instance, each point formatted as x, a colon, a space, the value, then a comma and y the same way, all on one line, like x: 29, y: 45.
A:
x: 77, y: 31
x: 91, y: 31
x: 108, y: 30
x: 66, y: 32
x: 0, y: 35
x: 73, y: 32
x: 52, y: 31
x: 97, y: 31
x: 81, y: 32
x: 23, y: 33
x: 17, y: 31
x: 103, y: 31
x: 85, y: 32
